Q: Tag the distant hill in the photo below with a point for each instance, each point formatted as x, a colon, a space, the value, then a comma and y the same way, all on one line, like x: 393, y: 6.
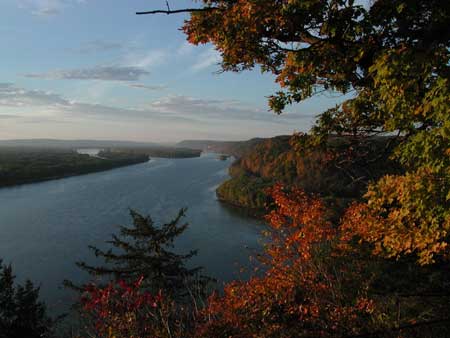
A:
x: 234, y: 148
x: 145, y: 148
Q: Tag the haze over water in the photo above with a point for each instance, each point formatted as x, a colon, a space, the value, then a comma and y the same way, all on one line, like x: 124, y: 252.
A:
x: 46, y: 227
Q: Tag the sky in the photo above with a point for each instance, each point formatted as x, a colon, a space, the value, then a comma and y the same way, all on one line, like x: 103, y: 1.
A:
x: 92, y: 69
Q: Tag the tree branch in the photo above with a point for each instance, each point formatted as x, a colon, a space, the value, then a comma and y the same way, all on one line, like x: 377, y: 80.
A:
x: 176, y: 11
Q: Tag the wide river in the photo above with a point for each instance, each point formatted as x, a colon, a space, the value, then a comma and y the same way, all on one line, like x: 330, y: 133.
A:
x: 46, y: 227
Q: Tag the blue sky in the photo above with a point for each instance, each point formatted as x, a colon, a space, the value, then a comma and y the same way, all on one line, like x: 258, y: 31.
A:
x: 77, y: 69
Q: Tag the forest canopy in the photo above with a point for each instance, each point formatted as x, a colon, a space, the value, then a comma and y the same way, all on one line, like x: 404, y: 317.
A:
x: 393, y: 57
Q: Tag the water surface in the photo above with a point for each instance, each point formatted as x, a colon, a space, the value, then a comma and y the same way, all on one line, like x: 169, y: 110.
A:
x: 46, y: 227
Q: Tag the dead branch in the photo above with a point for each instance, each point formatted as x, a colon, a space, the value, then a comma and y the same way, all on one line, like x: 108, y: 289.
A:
x: 176, y: 11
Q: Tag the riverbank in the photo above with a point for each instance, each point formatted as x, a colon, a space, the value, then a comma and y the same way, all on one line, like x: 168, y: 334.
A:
x: 25, y: 166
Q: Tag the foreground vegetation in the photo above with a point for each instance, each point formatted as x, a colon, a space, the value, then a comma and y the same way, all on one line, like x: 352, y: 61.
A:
x: 21, y: 312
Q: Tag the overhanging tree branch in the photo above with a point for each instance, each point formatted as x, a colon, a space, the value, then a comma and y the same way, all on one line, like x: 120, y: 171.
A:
x: 176, y: 11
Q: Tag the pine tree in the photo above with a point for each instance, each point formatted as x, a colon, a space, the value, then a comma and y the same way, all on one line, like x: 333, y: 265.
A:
x: 21, y: 312
x: 144, y: 251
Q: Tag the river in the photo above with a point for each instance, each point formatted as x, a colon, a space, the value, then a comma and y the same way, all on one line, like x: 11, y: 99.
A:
x: 46, y: 227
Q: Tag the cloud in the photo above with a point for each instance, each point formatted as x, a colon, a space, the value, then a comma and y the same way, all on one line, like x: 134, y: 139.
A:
x: 46, y: 11
x: 97, y: 46
x: 11, y: 96
x: 43, y: 7
x: 7, y: 116
x: 46, y: 7
x: 207, y: 59
x: 217, y: 110
x: 146, y: 59
x: 211, y: 109
x: 104, y: 73
x: 132, y: 67
x: 143, y: 86
x: 15, y: 97
x: 170, y: 109
x: 186, y: 48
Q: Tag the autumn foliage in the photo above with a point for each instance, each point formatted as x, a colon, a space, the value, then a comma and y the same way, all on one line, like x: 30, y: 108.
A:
x: 300, y: 293
x: 122, y: 310
x: 403, y: 217
x: 312, y: 280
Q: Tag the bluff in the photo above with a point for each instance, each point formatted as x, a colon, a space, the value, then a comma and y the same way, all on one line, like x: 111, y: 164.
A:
x: 338, y: 172
x: 233, y: 148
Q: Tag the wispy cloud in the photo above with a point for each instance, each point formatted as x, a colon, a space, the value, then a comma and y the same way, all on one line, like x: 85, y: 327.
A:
x: 184, y: 109
x: 216, y: 110
x: 207, y: 59
x: 7, y: 116
x: 42, y: 7
x: 211, y: 109
x: 129, y: 68
x: 185, y: 48
x: 46, y: 7
x: 145, y: 59
x: 97, y: 46
x: 147, y: 87
x: 15, y: 97
x: 11, y: 96
x: 105, y: 73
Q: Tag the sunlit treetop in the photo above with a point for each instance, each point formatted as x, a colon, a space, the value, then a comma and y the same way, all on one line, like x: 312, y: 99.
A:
x: 319, y: 45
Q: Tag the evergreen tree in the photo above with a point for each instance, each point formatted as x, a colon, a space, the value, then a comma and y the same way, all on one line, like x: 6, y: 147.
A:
x: 144, y: 251
x: 21, y: 313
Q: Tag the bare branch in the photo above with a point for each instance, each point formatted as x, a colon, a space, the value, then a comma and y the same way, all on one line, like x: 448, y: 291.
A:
x: 176, y: 11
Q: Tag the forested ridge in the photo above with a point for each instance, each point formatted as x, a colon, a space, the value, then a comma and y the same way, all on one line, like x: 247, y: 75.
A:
x: 332, y: 171
x: 233, y: 148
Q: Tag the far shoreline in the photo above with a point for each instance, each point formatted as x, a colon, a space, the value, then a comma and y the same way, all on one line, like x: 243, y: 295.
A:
x: 56, y: 178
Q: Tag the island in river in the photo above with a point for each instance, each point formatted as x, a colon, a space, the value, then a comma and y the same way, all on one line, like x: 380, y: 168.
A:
x: 22, y: 165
